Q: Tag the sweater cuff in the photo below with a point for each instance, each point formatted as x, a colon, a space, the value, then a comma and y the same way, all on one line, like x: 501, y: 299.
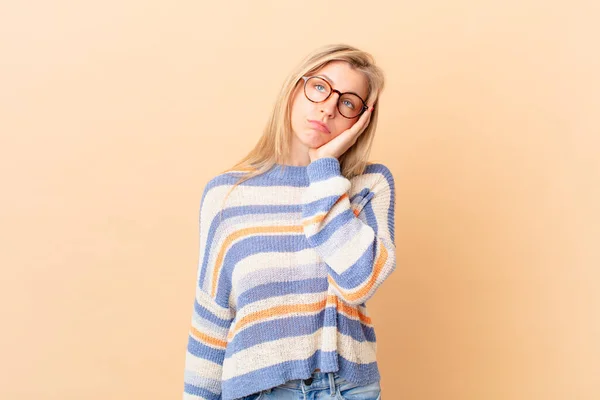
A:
x: 323, y: 168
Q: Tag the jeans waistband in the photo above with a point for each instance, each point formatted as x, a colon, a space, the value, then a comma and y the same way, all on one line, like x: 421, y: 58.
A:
x: 317, y: 381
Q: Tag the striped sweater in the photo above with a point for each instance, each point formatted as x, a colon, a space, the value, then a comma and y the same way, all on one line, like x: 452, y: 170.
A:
x: 284, y: 274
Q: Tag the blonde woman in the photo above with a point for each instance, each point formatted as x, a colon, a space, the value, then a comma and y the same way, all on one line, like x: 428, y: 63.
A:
x: 294, y: 239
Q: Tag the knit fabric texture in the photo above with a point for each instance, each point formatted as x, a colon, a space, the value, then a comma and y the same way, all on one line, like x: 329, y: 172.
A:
x: 286, y: 267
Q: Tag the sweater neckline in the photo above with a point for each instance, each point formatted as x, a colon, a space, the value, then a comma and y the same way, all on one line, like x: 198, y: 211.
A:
x: 292, y: 174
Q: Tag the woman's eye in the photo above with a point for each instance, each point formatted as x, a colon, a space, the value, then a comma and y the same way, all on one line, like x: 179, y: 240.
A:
x: 349, y: 104
x: 320, y: 87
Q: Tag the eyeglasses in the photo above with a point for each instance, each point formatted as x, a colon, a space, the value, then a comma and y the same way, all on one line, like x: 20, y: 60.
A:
x: 317, y: 90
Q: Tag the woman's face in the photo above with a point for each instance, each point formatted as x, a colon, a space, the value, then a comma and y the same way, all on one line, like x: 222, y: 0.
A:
x: 341, y: 77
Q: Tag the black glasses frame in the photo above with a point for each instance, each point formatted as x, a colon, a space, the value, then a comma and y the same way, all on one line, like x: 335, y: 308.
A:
x: 331, y: 91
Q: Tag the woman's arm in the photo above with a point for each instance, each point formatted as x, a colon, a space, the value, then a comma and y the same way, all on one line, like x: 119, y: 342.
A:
x: 211, y: 319
x: 359, y: 250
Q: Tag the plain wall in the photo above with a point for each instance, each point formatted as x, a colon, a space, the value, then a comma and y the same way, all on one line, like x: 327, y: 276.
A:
x: 115, y: 114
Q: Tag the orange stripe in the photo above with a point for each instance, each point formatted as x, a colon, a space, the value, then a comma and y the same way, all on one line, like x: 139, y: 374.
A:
x: 208, y: 339
x: 317, y: 219
x: 287, y: 310
x: 377, y: 268
x: 342, y: 197
x: 247, y: 232
x: 277, y: 311
x: 353, y: 312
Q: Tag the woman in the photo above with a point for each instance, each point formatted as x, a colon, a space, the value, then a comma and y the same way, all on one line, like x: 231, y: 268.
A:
x: 299, y: 246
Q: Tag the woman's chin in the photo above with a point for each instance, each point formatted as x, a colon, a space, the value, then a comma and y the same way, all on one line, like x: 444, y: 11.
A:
x: 314, y: 138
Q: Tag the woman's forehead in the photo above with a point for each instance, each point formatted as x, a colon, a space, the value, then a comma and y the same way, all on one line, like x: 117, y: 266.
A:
x: 344, y: 78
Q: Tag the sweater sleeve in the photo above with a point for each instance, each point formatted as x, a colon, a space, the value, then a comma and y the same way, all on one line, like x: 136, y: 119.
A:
x: 210, y: 322
x: 359, y: 250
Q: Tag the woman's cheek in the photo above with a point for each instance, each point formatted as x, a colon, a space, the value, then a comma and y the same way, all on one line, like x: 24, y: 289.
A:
x: 333, y: 135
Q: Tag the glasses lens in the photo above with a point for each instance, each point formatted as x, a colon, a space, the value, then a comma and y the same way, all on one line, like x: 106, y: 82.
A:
x: 350, y: 105
x: 317, y: 89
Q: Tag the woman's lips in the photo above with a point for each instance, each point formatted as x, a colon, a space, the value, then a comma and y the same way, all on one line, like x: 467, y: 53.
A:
x: 318, y: 126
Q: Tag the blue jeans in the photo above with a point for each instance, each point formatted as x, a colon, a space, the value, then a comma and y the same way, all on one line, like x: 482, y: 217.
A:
x: 320, y: 386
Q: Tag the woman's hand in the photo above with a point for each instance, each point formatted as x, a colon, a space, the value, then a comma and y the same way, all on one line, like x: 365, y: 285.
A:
x: 338, y: 145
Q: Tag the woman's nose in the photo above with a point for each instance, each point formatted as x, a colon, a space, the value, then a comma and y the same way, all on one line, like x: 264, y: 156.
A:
x: 329, y: 106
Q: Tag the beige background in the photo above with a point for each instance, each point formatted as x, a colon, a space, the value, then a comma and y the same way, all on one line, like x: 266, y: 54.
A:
x: 114, y: 115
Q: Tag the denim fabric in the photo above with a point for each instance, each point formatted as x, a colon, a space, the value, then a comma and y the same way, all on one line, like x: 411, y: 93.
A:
x: 323, y: 386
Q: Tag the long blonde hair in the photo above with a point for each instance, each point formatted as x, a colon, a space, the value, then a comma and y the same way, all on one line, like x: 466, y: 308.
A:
x: 276, y: 139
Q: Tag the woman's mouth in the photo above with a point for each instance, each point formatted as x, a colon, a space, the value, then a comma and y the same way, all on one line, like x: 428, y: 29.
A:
x: 320, y: 126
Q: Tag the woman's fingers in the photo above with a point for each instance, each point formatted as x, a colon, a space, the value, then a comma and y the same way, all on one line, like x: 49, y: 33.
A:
x: 364, y: 119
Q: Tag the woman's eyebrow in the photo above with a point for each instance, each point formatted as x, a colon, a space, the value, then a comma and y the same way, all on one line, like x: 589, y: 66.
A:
x: 331, y: 81
x: 326, y: 77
